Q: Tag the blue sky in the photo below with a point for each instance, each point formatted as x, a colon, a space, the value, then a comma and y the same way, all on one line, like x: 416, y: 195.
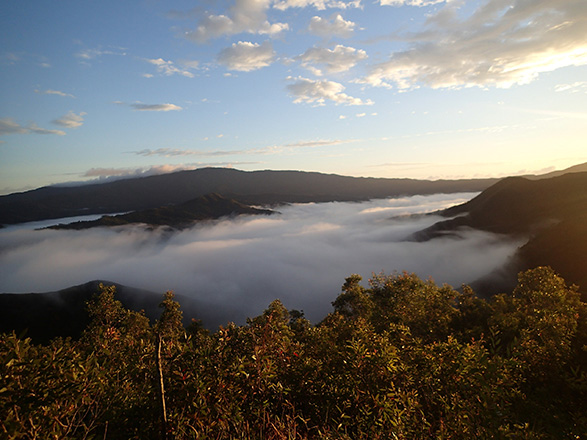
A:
x: 385, y: 88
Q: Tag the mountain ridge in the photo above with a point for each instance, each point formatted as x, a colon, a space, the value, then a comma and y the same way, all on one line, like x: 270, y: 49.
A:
x: 550, y: 214
x: 249, y: 187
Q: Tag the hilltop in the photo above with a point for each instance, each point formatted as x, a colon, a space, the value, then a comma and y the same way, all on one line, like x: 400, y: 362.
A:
x: 550, y: 213
x: 209, y: 207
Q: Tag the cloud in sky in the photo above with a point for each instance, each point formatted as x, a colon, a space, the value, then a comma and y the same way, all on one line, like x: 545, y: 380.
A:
x: 499, y: 44
x: 174, y: 152
x: 9, y: 126
x: 168, y: 68
x: 239, y: 266
x: 71, y: 120
x: 245, y: 56
x: 419, y: 3
x: 135, y: 172
x: 89, y: 54
x: 138, y: 106
x: 249, y: 16
x: 273, y: 149
x: 317, y: 92
x: 318, y: 4
x: 101, y: 175
x: 54, y: 92
x: 339, y: 59
x: 576, y: 87
x: 337, y: 26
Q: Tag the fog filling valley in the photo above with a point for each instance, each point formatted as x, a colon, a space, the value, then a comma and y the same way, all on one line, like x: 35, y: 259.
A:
x: 235, y: 267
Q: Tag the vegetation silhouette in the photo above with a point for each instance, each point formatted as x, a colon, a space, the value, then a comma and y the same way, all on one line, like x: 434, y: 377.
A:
x: 402, y: 358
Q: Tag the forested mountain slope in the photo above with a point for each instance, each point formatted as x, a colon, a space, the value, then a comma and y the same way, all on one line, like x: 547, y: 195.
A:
x: 550, y: 213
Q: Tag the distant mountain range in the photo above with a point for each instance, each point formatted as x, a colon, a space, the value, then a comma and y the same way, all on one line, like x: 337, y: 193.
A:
x: 252, y: 188
x: 550, y: 213
x: 184, y: 215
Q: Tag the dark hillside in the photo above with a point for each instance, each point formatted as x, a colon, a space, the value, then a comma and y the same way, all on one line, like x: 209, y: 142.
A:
x: 517, y: 204
x: 211, y: 206
x: 45, y: 316
x: 550, y: 213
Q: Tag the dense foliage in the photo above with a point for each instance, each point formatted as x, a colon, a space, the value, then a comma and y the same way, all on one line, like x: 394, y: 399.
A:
x: 401, y: 359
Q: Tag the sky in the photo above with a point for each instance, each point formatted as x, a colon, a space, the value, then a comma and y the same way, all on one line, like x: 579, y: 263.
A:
x: 424, y: 89
x: 234, y: 268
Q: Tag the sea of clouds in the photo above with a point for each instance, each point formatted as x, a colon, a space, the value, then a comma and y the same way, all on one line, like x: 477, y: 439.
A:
x: 235, y: 267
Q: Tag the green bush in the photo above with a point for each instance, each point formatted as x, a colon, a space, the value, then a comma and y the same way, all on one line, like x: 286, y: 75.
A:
x: 400, y: 359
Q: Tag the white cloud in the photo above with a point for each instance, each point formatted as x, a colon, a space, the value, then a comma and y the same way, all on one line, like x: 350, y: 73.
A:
x: 419, y: 3
x: 501, y: 43
x: 335, y: 27
x: 54, y: 92
x: 336, y: 60
x: 245, y: 56
x: 168, y: 68
x: 71, y: 120
x: 318, y: 92
x: 90, y: 54
x: 155, y: 107
x: 248, y: 16
x: 318, y: 4
x: 8, y: 126
x: 576, y: 87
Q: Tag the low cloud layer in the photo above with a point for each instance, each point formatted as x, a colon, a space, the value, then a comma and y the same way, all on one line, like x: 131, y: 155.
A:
x: 235, y: 268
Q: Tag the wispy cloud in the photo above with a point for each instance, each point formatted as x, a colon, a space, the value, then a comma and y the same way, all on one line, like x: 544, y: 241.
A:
x: 419, y: 3
x: 90, y: 54
x: 139, y: 106
x: 120, y: 173
x: 54, y: 92
x: 272, y: 149
x: 576, y: 87
x: 168, y: 68
x: 9, y: 126
x: 499, y: 44
x: 71, y: 120
x: 318, y: 92
x: 175, y: 152
x: 155, y: 107
x: 318, y: 4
